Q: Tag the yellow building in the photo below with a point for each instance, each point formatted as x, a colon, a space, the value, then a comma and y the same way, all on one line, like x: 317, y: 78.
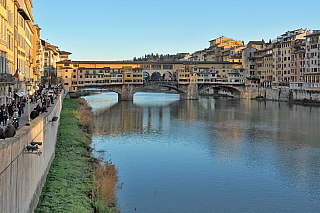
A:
x: 263, y: 66
x: 219, y: 49
x: 38, y: 56
x: 16, y: 49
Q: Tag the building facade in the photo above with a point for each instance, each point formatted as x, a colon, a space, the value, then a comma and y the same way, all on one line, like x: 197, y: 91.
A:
x: 16, y: 49
x: 312, y: 74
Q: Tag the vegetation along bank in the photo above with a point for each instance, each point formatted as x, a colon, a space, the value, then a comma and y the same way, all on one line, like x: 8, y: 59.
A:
x: 78, y: 182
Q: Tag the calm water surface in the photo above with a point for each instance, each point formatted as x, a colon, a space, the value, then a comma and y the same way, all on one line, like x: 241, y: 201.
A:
x: 210, y: 155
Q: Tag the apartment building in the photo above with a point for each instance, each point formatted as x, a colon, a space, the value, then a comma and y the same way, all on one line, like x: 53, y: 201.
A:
x: 236, y: 54
x: 312, y: 74
x: 219, y: 49
x: 262, y: 62
x: 38, y: 56
x: 298, y: 64
x: 16, y: 49
x: 282, y: 56
x: 51, y: 57
x: 198, y: 55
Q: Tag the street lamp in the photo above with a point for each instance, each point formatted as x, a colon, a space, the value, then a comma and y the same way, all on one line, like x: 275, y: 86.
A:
x: 29, y: 87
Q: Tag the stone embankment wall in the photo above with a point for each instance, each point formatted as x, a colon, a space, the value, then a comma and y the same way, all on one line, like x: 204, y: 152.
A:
x: 25, y: 173
x: 285, y: 94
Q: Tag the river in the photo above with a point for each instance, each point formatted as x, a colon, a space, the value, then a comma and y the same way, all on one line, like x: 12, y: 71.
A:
x: 223, y: 155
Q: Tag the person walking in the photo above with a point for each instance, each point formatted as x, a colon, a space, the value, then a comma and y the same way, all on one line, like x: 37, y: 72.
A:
x: 1, y: 114
x: 10, y: 110
x: 5, y: 116
x: 19, y: 109
x: 15, y: 118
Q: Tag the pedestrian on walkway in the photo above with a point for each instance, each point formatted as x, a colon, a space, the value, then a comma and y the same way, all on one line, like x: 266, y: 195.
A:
x: 10, y: 110
x: 19, y: 109
x: 1, y: 114
x: 5, y: 116
x: 10, y: 131
x: 22, y: 107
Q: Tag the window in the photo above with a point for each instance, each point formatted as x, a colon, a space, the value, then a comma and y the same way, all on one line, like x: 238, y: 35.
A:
x: 156, y: 67
x: 167, y: 67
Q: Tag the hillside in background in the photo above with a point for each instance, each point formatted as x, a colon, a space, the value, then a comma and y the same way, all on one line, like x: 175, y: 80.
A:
x: 162, y: 57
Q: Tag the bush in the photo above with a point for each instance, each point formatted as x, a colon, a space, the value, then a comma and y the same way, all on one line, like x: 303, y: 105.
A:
x: 105, y: 184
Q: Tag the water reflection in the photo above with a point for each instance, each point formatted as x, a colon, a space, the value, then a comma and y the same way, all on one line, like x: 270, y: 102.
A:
x: 253, y: 147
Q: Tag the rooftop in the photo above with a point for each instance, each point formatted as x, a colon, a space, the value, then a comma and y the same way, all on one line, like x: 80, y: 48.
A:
x: 313, y: 34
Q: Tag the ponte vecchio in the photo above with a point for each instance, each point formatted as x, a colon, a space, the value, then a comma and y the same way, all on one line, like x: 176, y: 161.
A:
x: 129, y: 77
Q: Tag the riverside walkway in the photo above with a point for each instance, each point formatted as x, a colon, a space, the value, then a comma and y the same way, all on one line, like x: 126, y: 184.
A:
x: 24, y: 116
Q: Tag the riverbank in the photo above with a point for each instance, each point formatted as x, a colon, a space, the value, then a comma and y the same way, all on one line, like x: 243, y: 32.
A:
x: 70, y: 184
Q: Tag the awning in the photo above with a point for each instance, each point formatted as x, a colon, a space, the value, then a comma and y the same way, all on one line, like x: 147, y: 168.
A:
x: 19, y: 94
x: 10, y: 97
x: 23, y: 94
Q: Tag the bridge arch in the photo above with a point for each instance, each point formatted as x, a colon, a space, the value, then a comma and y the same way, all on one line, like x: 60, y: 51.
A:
x: 169, y: 84
x: 146, y: 76
x: 155, y: 76
x: 167, y: 76
x: 222, y: 89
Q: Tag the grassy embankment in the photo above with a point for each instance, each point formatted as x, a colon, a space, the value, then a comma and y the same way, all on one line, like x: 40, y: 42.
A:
x: 76, y: 181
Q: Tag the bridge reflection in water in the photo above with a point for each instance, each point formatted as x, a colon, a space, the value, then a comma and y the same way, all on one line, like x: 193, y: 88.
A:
x: 139, y: 116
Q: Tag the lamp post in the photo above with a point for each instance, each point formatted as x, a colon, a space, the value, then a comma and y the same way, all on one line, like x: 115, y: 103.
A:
x: 29, y: 87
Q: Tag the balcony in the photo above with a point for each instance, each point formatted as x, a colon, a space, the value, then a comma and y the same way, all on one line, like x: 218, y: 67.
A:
x: 6, y: 78
x: 22, y: 9
x: 315, y: 41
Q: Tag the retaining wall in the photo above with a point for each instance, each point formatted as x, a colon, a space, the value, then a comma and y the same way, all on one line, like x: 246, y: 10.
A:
x: 21, y: 183
x: 285, y: 94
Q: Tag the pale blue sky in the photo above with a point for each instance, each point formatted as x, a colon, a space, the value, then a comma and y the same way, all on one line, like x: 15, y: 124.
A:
x: 122, y: 29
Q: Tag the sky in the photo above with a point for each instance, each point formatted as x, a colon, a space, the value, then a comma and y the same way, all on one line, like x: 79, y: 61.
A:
x: 122, y: 29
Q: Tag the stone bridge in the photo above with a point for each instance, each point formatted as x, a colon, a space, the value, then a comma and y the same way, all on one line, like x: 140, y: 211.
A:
x: 235, y: 90
x: 187, y: 91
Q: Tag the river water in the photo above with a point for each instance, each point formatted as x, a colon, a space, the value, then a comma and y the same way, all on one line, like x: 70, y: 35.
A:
x: 209, y: 155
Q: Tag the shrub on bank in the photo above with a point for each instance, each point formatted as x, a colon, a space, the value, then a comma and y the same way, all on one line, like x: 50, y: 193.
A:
x: 78, y: 94
x: 85, y: 113
x: 105, y: 184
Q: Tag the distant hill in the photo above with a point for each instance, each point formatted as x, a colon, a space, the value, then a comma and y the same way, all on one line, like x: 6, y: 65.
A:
x: 162, y: 57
